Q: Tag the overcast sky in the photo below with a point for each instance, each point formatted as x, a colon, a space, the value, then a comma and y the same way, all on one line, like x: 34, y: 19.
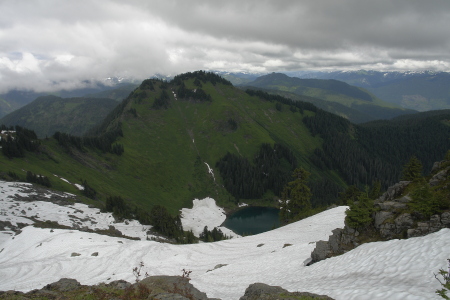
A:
x: 53, y: 44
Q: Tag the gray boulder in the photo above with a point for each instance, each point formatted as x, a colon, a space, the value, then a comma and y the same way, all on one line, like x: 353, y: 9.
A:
x: 445, y: 218
x: 382, y: 216
x: 321, y: 251
x: 63, y: 285
x: 403, y: 221
x: 437, y: 178
x: 162, y: 286
x: 261, y: 291
x: 394, y: 191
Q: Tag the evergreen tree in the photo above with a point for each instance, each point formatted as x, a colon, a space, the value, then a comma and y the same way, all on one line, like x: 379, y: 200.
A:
x: 296, y: 197
x: 375, y: 191
x: 350, y: 195
x: 359, y: 216
x: 412, y: 170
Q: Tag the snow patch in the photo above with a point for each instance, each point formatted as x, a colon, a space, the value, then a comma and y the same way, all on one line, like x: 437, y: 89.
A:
x: 210, y: 171
x: 204, y: 212
x: 76, y: 215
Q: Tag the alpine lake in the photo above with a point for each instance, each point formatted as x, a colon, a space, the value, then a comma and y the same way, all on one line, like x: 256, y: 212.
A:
x: 253, y: 220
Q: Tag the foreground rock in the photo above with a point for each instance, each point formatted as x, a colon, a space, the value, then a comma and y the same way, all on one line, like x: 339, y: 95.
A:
x: 154, y: 287
x: 261, y: 291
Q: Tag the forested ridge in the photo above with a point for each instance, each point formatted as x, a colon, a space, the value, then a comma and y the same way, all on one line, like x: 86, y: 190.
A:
x: 377, y: 150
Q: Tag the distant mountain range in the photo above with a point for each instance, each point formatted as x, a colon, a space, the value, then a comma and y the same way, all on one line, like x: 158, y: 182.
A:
x: 420, y: 91
x: 353, y: 103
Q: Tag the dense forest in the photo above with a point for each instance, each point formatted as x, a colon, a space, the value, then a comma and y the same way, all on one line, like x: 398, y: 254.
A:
x: 16, y: 140
x: 104, y: 142
x: 270, y: 169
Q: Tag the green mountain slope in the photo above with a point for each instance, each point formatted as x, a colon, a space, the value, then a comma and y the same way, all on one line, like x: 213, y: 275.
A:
x: 348, y: 113
x: 333, y: 91
x: 48, y: 114
x: 168, y: 151
x: 174, y: 133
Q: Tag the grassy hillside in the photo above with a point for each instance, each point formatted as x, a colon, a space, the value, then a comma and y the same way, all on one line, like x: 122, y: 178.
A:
x: 48, y: 114
x: 167, y: 150
x: 332, y: 91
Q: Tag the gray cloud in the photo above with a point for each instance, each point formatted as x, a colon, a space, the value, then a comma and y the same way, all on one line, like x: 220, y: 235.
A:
x: 49, y: 44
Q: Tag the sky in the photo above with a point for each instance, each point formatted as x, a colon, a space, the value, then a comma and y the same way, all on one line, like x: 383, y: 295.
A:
x: 60, y: 44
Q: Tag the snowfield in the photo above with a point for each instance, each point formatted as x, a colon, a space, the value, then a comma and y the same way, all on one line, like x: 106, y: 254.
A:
x: 397, y: 269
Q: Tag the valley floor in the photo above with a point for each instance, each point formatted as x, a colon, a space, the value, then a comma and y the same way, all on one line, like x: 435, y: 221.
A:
x: 397, y: 269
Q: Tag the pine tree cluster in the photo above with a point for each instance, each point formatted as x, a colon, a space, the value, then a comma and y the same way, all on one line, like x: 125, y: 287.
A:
x: 39, y: 179
x: 214, y: 235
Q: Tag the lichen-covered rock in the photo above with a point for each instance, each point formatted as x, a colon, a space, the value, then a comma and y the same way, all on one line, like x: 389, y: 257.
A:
x: 261, y: 291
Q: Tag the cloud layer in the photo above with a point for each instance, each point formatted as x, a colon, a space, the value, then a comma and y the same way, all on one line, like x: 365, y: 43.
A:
x: 52, y: 44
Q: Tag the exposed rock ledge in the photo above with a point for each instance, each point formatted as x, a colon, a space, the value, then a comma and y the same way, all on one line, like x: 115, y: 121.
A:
x: 154, y: 287
x: 391, y: 220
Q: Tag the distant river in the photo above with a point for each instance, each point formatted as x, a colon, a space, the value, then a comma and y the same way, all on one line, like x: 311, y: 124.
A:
x: 253, y: 220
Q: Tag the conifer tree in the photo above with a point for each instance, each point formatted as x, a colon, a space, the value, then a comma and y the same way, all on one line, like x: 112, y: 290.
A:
x: 412, y: 170
x: 296, y: 196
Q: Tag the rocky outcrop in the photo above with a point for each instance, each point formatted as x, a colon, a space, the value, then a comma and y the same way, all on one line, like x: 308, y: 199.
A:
x: 392, y: 218
x: 154, y: 287
x: 167, y: 287
x: 261, y: 291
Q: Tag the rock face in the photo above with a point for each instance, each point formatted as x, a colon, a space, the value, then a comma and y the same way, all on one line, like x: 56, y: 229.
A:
x: 392, y: 218
x: 261, y: 291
